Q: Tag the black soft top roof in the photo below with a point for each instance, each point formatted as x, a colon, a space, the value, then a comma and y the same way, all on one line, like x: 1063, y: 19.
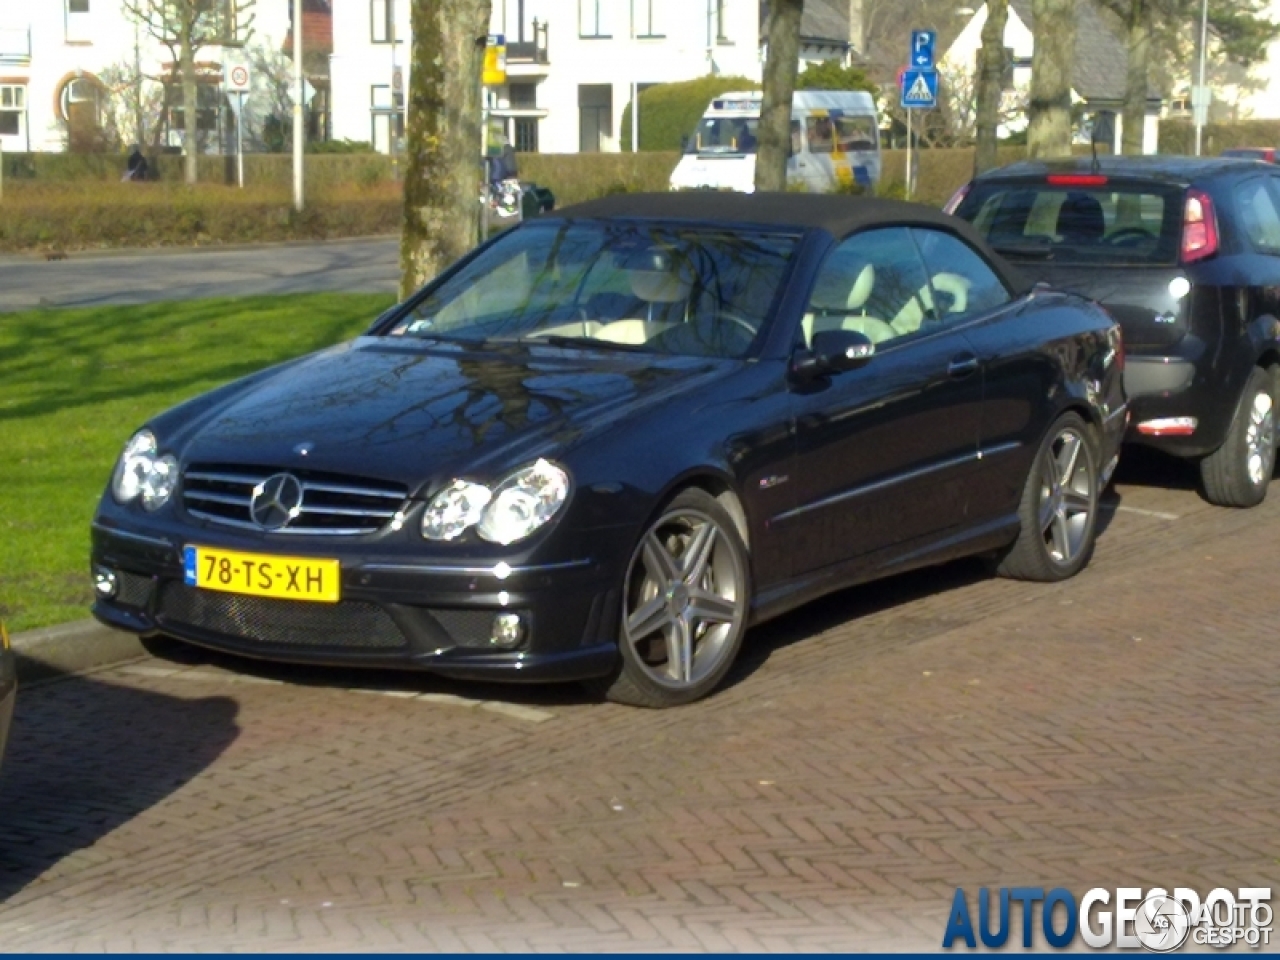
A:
x: 836, y: 214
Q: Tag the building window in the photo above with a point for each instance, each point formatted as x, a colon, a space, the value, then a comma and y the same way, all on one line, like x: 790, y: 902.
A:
x: 13, y: 104
x: 208, y: 106
x: 386, y: 117
x: 218, y: 18
x: 526, y: 138
x: 522, y: 96
x: 643, y: 21
x: 382, y: 26
x: 722, y: 22
x: 78, y: 22
x: 595, y: 117
x: 593, y: 18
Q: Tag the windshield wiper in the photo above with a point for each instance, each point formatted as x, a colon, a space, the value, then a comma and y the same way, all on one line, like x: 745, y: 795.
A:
x: 590, y: 343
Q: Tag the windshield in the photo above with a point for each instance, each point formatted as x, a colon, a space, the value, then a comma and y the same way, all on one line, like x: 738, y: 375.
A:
x: 612, y: 285
x: 1111, y: 224
x: 724, y: 135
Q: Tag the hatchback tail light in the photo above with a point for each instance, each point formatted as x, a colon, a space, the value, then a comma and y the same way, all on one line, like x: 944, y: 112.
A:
x: 1199, y: 228
x: 957, y: 198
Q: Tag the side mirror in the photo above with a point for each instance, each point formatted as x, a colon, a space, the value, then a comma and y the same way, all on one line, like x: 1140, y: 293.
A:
x: 834, y: 351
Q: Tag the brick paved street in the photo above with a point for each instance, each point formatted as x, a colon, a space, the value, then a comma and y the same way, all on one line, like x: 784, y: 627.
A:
x: 873, y: 752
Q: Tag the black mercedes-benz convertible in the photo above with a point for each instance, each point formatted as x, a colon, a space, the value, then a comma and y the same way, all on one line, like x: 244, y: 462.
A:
x: 602, y: 445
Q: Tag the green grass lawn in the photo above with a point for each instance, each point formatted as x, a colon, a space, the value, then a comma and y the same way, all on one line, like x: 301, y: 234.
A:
x: 76, y: 384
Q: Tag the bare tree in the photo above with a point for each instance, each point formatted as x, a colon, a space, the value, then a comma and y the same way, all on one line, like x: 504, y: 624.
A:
x: 780, y: 68
x: 1052, y: 60
x: 990, y: 83
x: 186, y: 27
x: 443, y: 141
x: 133, y: 110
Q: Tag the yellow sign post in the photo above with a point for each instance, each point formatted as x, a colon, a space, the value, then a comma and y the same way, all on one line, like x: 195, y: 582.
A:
x: 495, y: 61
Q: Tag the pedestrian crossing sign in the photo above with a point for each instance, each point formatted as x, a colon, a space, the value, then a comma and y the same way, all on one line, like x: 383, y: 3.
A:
x: 919, y: 89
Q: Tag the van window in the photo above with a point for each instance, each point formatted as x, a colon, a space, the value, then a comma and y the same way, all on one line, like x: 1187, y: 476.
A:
x: 820, y: 133
x: 725, y: 135
x: 855, y: 133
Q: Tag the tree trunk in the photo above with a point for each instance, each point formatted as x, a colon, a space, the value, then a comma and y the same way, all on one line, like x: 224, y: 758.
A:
x: 1136, y: 80
x: 780, y: 69
x: 187, y: 68
x: 990, y: 92
x: 442, y: 143
x: 1049, y: 129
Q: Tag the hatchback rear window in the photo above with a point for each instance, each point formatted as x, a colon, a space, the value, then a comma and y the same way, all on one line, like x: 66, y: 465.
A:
x: 1109, y: 224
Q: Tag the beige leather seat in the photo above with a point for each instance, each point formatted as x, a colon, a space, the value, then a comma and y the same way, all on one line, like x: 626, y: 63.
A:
x: 653, y: 287
x: 911, y: 316
x: 845, y: 315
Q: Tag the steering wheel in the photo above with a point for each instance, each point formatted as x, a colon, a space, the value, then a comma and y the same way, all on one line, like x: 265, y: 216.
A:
x: 1129, y: 236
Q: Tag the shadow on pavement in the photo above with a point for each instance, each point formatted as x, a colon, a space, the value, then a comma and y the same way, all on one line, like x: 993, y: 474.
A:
x: 86, y: 757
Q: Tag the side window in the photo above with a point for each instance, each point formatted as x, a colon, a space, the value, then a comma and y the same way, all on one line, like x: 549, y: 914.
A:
x: 820, y: 133
x: 1259, y: 219
x: 874, y: 283
x: 963, y: 283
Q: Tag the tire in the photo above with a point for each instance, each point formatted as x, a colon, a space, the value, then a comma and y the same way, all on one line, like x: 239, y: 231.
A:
x: 685, y: 598
x: 1059, y: 510
x: 1238, y: 472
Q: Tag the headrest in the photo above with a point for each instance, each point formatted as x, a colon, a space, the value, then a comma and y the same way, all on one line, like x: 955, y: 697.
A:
x: 1081, y: 219
x: 832, y: 292
x: 862, y: 288
x: 656, y: 276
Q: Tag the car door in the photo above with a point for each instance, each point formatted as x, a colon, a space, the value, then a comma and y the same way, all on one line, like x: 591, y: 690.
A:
x: 883, y: 452
x: 1020, y: 373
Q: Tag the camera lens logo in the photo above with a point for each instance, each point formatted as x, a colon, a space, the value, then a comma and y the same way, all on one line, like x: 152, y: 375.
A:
x: 1161, y: 924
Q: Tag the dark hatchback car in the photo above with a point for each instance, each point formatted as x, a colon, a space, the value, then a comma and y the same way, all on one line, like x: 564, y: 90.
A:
x: 1185, y: 253
x: 602, y: 445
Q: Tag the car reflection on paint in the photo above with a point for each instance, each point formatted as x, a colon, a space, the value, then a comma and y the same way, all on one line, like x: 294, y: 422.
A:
x: 604, y: 444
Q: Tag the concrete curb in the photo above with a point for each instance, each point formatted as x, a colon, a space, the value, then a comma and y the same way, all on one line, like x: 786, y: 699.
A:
x: 72, y: 648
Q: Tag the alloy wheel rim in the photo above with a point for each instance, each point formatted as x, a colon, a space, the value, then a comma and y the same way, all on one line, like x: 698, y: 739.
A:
x: 1066, y: 497
x: 685, y: 599
x: 1260, y: 438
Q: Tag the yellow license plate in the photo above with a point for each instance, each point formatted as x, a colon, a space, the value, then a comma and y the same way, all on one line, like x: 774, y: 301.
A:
x: 260, y: 575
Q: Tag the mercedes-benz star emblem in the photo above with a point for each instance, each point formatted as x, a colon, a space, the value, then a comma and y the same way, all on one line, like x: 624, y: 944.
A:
x: 276, y: 501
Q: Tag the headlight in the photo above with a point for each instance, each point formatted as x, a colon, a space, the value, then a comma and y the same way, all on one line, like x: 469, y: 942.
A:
x: 523, y: 502
x: 454, y: 509
x: 511, y: 511
x: 140, y: 473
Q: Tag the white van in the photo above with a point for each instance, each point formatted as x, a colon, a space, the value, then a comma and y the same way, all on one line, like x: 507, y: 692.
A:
x: 835, y: 139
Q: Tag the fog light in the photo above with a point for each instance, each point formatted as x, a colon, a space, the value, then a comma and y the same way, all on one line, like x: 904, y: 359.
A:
x: 508, y: 630
x: 105, y: 582
x: 1169, y: 427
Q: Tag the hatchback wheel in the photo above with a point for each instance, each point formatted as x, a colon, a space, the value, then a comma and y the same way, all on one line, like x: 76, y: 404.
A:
x: 1238, y: 472
x: 1059, y: 509
x: 685, y: 602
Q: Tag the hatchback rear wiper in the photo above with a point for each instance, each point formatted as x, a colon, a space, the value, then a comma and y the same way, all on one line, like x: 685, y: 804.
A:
x: 590, y: 343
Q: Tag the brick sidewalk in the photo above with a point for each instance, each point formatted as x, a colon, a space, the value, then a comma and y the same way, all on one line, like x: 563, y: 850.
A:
x: 874, y: 751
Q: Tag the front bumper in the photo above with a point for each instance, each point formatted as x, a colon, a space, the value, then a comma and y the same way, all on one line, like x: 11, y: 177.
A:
x: 393, y: 613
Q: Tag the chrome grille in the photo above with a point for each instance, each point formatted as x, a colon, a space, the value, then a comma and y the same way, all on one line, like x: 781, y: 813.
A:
x: 331, y: 505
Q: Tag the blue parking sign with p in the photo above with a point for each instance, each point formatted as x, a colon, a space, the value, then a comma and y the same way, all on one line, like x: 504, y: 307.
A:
x: 923, y: 43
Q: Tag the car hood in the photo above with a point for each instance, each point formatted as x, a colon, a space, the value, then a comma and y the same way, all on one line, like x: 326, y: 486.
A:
x: 409, y: 412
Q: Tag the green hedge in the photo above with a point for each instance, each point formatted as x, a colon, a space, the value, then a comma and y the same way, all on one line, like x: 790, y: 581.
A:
x: 1178, y: 136
x: 574, y: 177
x: 259, y: 168
x: 669, y: 111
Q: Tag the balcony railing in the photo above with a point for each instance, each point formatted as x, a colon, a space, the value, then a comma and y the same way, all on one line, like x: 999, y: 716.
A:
x: 15, y: 46
x: 530, y: 51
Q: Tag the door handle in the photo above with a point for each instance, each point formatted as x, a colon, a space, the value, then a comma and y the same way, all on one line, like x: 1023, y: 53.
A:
x: 962, y: 366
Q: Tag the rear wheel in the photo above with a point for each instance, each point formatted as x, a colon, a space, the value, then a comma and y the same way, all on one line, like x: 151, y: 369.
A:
x: 1238, y: 472
x: 1059, y: 509
x: 685, y: 601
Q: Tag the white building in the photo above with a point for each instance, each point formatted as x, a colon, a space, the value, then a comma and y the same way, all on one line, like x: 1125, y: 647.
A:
x: 1098, y: 74
x: 55, y: 53
x: 571, y: 64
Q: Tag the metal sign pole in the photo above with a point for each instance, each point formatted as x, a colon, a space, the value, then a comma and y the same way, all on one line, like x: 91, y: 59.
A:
x: 240, y: 140
x: 909, y: 112
x: 299, y: 114
x: 484, y: 161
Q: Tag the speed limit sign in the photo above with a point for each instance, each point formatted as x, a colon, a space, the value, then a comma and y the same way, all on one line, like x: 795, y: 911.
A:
x: 235, y: 76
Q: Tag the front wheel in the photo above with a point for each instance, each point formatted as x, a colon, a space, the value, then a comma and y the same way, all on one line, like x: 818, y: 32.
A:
x: 1059, y: 509
x: 1238, y: 472
x: 685, y: 601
